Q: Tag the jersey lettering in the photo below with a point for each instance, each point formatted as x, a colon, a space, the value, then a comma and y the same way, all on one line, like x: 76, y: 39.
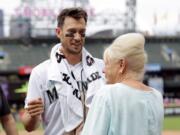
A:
x: 59, y: 57
x: 66, y: 78
x: 52, y: 95
x: 82, y: 85
x: 77, y: 94
x: 93, y: 77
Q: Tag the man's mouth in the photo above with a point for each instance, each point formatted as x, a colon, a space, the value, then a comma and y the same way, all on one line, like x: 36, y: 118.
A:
x: 76, y: 45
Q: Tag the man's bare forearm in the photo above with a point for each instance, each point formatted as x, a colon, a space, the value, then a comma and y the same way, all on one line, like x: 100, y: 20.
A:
x: 30, y: 123
x: 9, y: 125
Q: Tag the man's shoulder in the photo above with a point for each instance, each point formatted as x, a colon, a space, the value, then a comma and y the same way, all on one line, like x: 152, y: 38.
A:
x: 99, y: 62
x: 42, y: 67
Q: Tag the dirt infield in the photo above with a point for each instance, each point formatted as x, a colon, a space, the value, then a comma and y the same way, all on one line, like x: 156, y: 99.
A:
x: 171, y: 133
x: 39, y: 132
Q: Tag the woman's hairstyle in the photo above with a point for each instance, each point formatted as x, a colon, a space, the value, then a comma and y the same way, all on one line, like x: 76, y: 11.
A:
x: 131, y: 48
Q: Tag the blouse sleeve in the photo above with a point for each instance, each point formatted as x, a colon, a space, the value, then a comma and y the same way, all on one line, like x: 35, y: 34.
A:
x: 98, y: 119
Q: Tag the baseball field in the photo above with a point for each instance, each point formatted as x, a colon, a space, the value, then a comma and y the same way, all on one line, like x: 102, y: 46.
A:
x: 171, y: 127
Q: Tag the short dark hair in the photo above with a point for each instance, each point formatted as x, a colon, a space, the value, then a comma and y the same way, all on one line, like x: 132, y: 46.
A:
x: 74, y: 12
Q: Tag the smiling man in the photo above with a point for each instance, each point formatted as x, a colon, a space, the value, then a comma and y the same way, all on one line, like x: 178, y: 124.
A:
x: 61, y: 88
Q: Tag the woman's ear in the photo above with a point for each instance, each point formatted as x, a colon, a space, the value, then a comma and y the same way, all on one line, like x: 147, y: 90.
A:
x: 122, y: 65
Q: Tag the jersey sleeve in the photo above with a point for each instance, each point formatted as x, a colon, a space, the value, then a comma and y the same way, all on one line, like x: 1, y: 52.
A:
x: 98, y: 119
x: 34, y: 87
x: 4, y: 106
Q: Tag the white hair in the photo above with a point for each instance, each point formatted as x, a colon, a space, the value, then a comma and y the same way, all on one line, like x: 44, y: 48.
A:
x: 131, y: 48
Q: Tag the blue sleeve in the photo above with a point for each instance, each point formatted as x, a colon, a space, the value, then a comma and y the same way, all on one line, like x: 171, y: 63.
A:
x: 98, y: 119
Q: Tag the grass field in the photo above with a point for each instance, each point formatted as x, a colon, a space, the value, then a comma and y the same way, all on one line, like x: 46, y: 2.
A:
x: 171, y: 123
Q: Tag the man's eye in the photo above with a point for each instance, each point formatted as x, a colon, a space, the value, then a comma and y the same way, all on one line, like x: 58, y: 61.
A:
x: 83, y: 34
x: 72, y: 34
x: 69, y: 34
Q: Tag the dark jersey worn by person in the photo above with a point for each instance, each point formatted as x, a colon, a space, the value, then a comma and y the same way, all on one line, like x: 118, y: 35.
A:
x: 6, y: 118
x: 4, y: 107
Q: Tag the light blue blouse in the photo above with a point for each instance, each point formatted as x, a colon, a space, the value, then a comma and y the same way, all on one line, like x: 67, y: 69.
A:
x: 122, y: 110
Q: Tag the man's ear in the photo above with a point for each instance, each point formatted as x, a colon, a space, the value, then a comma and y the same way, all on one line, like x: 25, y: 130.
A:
x: 58, y: 32
x: 122, y: 65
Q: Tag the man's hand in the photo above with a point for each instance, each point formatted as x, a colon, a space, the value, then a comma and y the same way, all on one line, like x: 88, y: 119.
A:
x: 35, y: 107
x: 31, y: 117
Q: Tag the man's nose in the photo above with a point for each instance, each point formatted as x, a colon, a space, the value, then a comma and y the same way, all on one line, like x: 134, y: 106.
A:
x: 77, y: 36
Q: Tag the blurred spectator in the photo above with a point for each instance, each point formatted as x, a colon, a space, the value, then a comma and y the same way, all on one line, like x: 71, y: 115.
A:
x: 6, y: 117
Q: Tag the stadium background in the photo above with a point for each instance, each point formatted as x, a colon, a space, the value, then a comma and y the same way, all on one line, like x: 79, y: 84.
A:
x: 31, y: 36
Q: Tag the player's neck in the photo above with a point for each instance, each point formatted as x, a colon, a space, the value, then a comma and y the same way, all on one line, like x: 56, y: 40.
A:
x: 73, y: 59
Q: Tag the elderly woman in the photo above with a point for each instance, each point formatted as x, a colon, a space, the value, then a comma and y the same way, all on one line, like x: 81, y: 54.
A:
x: 125, y: 106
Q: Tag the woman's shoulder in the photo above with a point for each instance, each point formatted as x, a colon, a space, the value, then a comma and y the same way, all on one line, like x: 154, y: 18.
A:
x: 107, y: 90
